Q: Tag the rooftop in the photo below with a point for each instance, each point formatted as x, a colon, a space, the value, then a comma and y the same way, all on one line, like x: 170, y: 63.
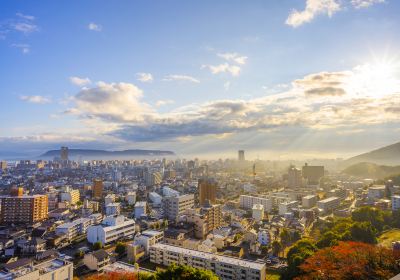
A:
x: 210, y: 256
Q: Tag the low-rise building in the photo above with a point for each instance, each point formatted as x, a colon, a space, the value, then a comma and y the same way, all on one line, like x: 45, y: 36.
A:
x: 113, y: 209
x: 111, y: 229
x: 140, y: 209
x: 309, y: 201
x: 258, y: 212
x: 328, y: 204
x: 223, y: 266
x: 97, y: 260
x: 74, y: 229
x: 395, y: 202
x: 247, y: 202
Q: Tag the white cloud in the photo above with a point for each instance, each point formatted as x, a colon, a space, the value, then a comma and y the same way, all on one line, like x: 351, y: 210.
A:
x: 365, y: 3
x: 186, y: 78
x: 37, y: 99
x: 25, y: 48
x: 111, y: 102
x: 312, y: 9
x: 160, y: 103
x: 234, y: 70
x: 27, y: 17
x: 145, y: 77
x: 80, y: 81
x: 95, y: 27
x: 234, y: 57
x: 227, y: 85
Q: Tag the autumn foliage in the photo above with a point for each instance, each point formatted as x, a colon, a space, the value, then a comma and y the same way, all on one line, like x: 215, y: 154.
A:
x: 350, y: 260
x: 114, y: 276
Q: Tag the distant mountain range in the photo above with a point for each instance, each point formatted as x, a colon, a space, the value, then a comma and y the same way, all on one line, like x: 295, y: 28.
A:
x: 389, y: 155
x: 371, y: 170
x: 103, y: 154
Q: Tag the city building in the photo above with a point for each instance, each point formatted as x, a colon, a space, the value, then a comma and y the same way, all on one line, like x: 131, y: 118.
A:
x: 148, y: 238
x: 287, y: 207
x: 174, y: 206
x: 247, y: 202
x: 70, y: 195
x: 97, y: 260
x: 395, y: 202
x: 140, y: 209
x: 111, y: 229
x: 207, y: 190
x: 263, y: 237
x: 155, y: 198
x: 223, y: 266
x: 110, y: 198
x: 328, y: 204
x: 241, y: 155
x: 376, y: 192
x: 204, y: 219
x: 294, y: 177
x: 3, y: 165
x: 23, y: 209
x: 24, y: 269
x: 64, y: 153
x: 258, y: 212
x: 152, y: 178
x: 113, y: 209
x: 312, y: 174
x: 309, y: 201
x: 131, y: 198
x: 97, y: 188
x: 74, y: 229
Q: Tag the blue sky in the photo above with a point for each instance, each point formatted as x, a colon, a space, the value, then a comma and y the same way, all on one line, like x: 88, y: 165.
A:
x: 285, y: 79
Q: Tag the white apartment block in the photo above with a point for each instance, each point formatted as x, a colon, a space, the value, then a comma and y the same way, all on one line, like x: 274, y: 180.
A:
x: 71, y: 196
x: 111, y: 229
x: 247, y: 202
x: 309, y: 201
x: 131, y: 198
x: 226, y: 268
x: 258, y: 212
x: 174, y: 206
x: 47, y: 270
x: 75, y: 228
x: 110, y: 198
x: 376, y: 192
x: 328, y: 204
x: 113, y: 209
x: 287, y: 207
x: 395, y: 202
x: 148, y: 238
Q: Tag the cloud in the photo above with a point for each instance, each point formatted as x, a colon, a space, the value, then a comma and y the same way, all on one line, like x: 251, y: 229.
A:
x: 226, y: 67
x: 160, y: 103
x: 234, y: 70
x: 227, y: 85
x: 95, y: 27
x: 37, y: 99
x: 25, y: 48
x: 80, y: 81
x: 312, y: 9
x: 235, y: 57
x: 144, y: 77
x: 365, y: 3
x: 27, y: 17
x: 325, y: 91
x: 111, y: 102
x: 186, y: 78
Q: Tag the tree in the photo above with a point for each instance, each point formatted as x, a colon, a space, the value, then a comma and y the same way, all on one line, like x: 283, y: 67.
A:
x: 369, y: 214
x: 79, y: 254
x: 328, y: 239
x: 350, y: 260
x: 276, y: 248
x: 114, y: 276
x: 120, y: 248
x: 363, y: 232
x: 183, y: 272
x: 97, y: 245
x: 285, y: 237
x: 297, y: 254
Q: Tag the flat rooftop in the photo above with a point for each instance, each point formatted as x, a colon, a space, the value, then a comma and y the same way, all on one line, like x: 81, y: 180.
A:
x: 210, y: 256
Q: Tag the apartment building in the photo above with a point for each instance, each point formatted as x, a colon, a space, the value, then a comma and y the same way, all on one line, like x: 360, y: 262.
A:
x: 24, y: 269
x: 328, y: 204
x: 309, y: 201
x: 205, y: 219
x: 111, y: 229
x: 23, y: 209
x: 247, y: 202
x: 71, y: 196
x: 174, y: 206
x: 74, y: 229
x: 226, y: 268
x: 148, y: 238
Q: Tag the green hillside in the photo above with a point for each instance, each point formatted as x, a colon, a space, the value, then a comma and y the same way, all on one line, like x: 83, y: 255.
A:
x: 371, y: 170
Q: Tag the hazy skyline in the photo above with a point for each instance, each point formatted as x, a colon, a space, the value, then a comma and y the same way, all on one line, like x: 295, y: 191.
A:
x: 303, y: 78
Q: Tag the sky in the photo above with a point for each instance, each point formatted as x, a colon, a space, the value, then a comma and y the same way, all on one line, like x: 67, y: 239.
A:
x: 285, y: 79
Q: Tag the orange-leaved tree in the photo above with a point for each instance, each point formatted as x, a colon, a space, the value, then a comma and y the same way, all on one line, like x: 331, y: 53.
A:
x: 350, y: 260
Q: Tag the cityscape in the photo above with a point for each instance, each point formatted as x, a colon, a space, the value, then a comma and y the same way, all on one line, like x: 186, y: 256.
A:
x: 232, y: 140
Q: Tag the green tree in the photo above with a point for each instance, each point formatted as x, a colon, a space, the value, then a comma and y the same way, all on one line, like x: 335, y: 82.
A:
x: 328, y: 239
x: 120, y: 248
x: 97, y: 245
x: 285, y: 237
x: 297, y: 254
x: 369, y: 214
x: 363, y: 232
x: 182, y: 272
x: 276, y: 248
